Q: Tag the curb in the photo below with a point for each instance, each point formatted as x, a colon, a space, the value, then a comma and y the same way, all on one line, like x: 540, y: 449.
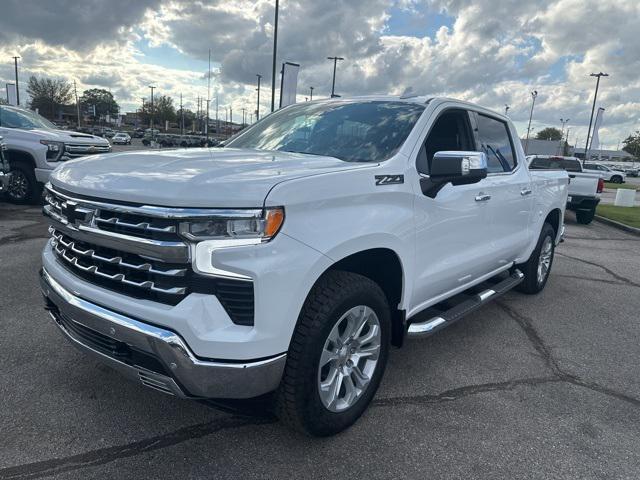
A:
x: 618, y: 225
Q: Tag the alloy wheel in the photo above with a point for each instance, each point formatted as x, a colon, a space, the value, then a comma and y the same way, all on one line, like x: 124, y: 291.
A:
x: 349, y: 358
x: 19, y: 185
x: 544, y: 260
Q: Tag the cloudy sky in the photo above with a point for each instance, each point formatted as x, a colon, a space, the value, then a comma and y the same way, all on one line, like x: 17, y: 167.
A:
x: 493, y: 52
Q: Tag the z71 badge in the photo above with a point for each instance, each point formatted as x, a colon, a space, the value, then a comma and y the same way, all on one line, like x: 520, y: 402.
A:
x: 389, y: 179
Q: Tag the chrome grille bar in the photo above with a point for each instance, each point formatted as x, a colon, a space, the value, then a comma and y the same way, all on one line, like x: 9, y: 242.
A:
x: 117, y: 277
x: 118, y: 261
x: 139, y: 226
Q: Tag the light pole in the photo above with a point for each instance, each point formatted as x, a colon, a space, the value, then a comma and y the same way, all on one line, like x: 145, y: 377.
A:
x: 275, y: 51
x: 534, y: 94
x: 15, y: 62
x: 311, y: 94
x: 563, y: 121
x: 586, y: 147
x: 506, y: 109
x: 258, y: 106
x: 333, y: 83
x: 152, y: 112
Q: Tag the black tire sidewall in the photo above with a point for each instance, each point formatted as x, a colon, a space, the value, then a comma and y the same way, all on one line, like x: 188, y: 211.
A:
x: 317, y: 419
x: 547, y: 231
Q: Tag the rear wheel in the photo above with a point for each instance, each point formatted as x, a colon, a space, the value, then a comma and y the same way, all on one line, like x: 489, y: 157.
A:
x: 585, y: 217
x: 536, y: 270
x: 616, y: 179
x: 337, y: 355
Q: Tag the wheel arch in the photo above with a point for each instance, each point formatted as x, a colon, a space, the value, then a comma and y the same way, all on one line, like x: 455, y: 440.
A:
x: 14, y: 156
x: 384, y: 267
x: 553, y: 218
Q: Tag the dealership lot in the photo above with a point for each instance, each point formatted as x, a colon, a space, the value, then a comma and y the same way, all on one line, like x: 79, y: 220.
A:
x: 527, y: 387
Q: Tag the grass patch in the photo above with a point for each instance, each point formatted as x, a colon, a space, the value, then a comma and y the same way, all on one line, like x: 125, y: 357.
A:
x: 626, y: 186
x: 627, y: 215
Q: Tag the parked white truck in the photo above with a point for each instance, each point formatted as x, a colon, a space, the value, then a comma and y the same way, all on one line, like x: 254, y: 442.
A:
x: 585, y: 186
x: 35, y: 147
x: 289, y: 261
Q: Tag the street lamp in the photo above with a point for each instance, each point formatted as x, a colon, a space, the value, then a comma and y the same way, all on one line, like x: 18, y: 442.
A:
x: 15, y: 62
x: 311, y: 94
x: 586, y: 147
x: 275, y: 50
x: 506, y: 109
x: 534, y: 95
x: 333, y: 83
x: 258, y: 107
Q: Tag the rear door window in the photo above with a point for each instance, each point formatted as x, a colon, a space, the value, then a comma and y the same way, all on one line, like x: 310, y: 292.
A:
x: 495, y: 142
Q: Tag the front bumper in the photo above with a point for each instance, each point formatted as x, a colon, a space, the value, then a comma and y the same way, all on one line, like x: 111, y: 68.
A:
x: 156, y: 357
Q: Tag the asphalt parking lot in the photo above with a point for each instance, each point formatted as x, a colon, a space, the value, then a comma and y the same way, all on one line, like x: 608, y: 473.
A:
x: 528, y: 387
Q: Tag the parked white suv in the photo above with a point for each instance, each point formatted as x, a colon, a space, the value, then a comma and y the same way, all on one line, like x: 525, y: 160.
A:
x: 35, y: 146
x: 607, y: 174
x: 292, y: 259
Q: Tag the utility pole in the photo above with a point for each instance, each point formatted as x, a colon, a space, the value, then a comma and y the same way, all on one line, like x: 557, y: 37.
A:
x: 534, y: 94
x: 333, y: 83
x: 15, y: 62
x: 243, y: 112
x: 258, y: 107
x: 181, y: 116
x: 75, y: 91
x: 217, y: 119
x: 275, y: 50
x: 586, y: 147
x: 506, y: 109
x: 208, y: 96
x: 311, y: 94
x: 152, y: 111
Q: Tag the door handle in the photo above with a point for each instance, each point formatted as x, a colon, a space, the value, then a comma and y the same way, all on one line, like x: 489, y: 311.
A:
x: 525, y: 191
x: 482, y: 197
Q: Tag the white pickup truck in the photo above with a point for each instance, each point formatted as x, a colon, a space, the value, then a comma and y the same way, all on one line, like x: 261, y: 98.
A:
x: 585, y: 186
x: 35, y: 146
x: 289, y: 261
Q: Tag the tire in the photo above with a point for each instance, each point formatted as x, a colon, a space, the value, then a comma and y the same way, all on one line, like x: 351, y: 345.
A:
x: 585, y: 217
x: 616, y: 179
x: 300, y: 401
x: 533, y: 282
x: 24, y: 188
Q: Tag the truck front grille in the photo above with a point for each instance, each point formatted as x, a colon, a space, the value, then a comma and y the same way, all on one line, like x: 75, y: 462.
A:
x: 141, y: 256
x: 75, y: 150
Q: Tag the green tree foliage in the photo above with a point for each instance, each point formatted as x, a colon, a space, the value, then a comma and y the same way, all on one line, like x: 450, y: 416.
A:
x: 549, y: 133
x: 163, y: 110
x: 49, y: 95
x: 632, y: 144
x: 102, y: 99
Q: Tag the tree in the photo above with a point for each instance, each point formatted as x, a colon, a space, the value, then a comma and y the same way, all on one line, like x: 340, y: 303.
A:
x: 632, y: 144
x: 163, y: 110
x: 48, y: 95
x: 102, y: 99
x: 549, y: 133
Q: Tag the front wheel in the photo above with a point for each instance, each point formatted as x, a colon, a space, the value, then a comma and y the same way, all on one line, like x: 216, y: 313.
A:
x: 616, y: 179
x: 337, y: 355
x: 536, y: 270
x: 23, y: 187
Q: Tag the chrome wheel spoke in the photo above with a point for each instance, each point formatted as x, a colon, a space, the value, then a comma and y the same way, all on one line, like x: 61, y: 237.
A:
x: 349, y: 358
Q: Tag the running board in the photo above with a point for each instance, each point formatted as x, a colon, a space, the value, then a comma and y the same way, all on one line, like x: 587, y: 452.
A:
x: 454, y: 313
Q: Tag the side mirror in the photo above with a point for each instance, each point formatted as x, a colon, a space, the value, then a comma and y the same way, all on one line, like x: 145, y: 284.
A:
x: 459, y: 168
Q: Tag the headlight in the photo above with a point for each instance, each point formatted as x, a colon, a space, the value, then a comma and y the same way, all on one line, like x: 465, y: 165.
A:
x: 236, y: 224
x: 54, y: 149
x: 231, y: 229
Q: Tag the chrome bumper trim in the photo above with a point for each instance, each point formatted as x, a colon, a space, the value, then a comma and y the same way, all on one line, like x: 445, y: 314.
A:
x: 190, y: 377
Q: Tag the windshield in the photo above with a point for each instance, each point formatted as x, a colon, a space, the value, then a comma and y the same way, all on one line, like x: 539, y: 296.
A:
x: 353, y: 131
x: 19, y: 118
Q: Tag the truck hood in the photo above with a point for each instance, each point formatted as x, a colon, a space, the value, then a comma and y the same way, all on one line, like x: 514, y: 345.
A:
x: 205, y: 178
x: 65, y: 136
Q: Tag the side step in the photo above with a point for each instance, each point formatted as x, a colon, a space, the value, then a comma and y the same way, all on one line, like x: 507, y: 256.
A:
x: 455, y: 312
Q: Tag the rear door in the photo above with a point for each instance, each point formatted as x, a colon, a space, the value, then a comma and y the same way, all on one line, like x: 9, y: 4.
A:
x: 509, y: 185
